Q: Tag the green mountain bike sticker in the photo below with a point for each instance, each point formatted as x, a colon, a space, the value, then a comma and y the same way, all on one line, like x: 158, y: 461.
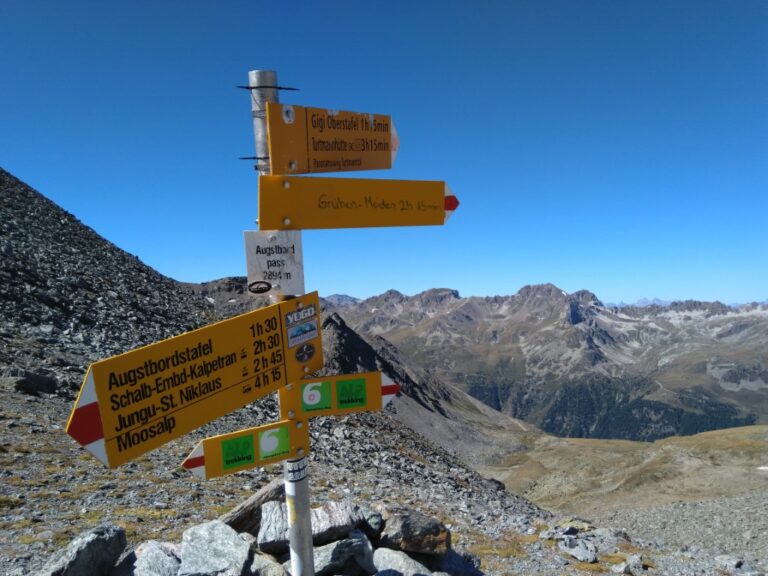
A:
x: 351, y: 393
x: 237, y: 452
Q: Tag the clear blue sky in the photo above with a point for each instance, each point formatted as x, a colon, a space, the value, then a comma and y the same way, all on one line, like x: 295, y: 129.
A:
x: 616, y: 146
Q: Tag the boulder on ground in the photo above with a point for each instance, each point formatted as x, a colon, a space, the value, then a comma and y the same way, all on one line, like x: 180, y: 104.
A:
x: 330, y: 522
x: 350, y: 555
x: 92, y: 553
x: 246, y: 517
x: 266, y: 565
x: 150, y: 558
x: 395, y: 563
x: 411, y: 531
x: 334, y: 520
x: 581, y: 549
x: 213, y: 549
x: 35, y: 384
x: 273, y: 530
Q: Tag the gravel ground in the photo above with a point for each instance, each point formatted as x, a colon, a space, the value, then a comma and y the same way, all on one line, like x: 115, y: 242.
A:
x: 737, y: 526
x: 51, y: 490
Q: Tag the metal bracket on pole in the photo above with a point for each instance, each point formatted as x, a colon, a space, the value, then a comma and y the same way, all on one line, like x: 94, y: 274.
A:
x: 275, y: 87
x: 263, y: 87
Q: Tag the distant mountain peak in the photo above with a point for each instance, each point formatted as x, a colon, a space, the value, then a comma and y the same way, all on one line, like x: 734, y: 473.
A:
x: 711, y: 308
x: 392, y: 294
x: 341, y: 300
x: 542, y: 292
x: 437, y: 296
x: 652, y: 302
x: 586, y: 297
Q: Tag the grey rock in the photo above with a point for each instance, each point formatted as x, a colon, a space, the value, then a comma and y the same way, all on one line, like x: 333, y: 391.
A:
x: 453, y: 563
x: 581, y: 549
x: 35, y: 384
x: 213, y: 549
x: 331, y: 521
x: 273, y: 531
x: 246, y: 517
x: 728, y: 561
x: 157, y: 559
x: 151, y: 558
x: 548, y: 534
x: 7, y: 383
x: 331, y: 558
x: 373, y: 526
x: 635, y: 564
x: 265, y: 565
x: 395, y: 563
x: 334, y: 520
x: 411, y: 531
x: 92, y: 553
x: 606, y: 541
x: 248, y: 538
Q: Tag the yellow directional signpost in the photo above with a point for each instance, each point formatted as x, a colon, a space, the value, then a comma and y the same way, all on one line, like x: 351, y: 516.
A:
x: 336, y: 395
x: 299, y: 140
x: 299, y: 203
x: 245, y: 449
x: 304, y: 140
x: 137, y: 401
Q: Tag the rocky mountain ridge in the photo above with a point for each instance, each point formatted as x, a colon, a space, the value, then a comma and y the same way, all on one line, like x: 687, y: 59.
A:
x: 575, y: 367
x: 69, y: 297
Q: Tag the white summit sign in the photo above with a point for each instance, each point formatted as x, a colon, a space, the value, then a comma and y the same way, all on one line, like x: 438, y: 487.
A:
x: 275, y: 262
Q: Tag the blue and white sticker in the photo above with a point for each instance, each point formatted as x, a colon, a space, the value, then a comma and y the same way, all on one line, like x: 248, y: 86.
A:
x: 301, y: 333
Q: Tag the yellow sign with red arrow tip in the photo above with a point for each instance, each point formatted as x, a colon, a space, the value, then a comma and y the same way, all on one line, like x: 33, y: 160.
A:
x: 246, y: 449
x: 137, y: 401
x: 336, y: 395
x: 299, y: 203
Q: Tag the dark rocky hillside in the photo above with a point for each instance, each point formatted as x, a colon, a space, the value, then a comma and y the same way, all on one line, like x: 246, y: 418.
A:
x: 69, y: 297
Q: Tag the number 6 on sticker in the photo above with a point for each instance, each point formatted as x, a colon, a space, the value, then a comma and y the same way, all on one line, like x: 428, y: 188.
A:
x: 312, y: 394
x: 316, y: 396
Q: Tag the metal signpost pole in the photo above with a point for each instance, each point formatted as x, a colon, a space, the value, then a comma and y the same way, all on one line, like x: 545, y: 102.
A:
x: 263, y: 89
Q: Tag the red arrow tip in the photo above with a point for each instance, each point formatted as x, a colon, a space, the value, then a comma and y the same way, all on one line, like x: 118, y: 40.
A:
x: 451, y: 203
x: 390, y: 389
x: 85, y: 424
x: 196, y: 462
